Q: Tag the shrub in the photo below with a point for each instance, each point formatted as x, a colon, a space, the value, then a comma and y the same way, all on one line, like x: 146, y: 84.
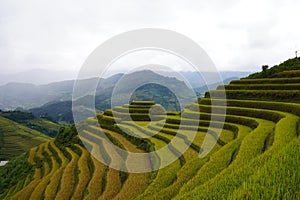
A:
x: 14, y: 171
x: 295, y: 86
x: 267, y: 95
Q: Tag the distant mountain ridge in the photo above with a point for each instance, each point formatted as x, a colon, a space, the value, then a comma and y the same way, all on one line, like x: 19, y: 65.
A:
x: 27, y: 95
x: 37, y: 76
x: 62, y: 110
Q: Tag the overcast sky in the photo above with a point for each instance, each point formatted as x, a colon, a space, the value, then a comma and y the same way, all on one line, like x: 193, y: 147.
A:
x: 59, y: 35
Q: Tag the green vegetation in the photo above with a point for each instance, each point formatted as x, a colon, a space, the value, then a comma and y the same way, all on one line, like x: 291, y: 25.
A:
x: 42, y: 125
x: 157, y: 93
x: 14, y: 138
x: 288, y: 68
x: 14, y: 171
x: 256, y: 155
x: 67, y: 137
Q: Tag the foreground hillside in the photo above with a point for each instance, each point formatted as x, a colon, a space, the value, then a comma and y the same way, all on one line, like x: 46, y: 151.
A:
x: 256, y: 157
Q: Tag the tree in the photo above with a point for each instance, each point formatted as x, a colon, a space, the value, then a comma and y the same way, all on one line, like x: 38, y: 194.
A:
x: 264, y: 68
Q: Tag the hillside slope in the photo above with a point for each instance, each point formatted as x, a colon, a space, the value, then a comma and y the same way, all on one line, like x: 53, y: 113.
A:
x: 287, y: 69
x: 16, y: 138
x: 256, y: 156
x: 42, y: 125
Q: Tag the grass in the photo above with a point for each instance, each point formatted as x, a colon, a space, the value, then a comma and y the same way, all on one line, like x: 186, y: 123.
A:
x: 204, y: 176
x: 95, y: 188
x: 52, y: 187
x: 112, y: 180
x: 239, y: 111
x: 171, y: 191
x: 189, y: 119
x: 84, y: 174
x: 256, y: 156
x: 14, y: 137
x: 25, y: 193
x: 267, y: 95
x: 218, y: 162
x: 140, y: 113
x: 38, y: 158
x: 130, y: 116
x: 68, y: 178
x: 275, y: 177
x: 292, y: 108
x: 14, y: 174
x: 142, y: 103
x: 187, y: 172
x: 19, y: 186
x: 266, y: 81
x: 288, y: 74
x: 233, y: 177
x: 165, y: 176
x: 136, y: 182
x: 41, y: 187
x: 225, y: 135
x: 292, y: 86
x: 184, y: 174
x: 113, y: 184
x: 29, y: 120
x: 10, y: 192
x: 31, y: 155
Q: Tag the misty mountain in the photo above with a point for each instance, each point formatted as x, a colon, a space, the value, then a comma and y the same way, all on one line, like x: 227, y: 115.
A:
x: 37, y: 76
x: 200, y: 91
x: 44, y: 76
x: 160, y: 89
x: 196, y: 79
x: 26, y: 96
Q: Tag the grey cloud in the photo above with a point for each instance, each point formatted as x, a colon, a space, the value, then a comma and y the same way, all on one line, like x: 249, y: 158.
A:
x: 61, y: 34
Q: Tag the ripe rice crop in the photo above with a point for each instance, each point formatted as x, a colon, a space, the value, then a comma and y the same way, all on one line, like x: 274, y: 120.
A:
x: 68, y: 178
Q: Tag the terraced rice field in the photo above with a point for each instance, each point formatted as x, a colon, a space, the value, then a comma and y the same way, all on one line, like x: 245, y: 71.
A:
x: 255, y: 157
x: 14, y: 139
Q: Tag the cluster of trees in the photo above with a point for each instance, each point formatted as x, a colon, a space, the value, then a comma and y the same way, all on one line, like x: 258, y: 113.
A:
x: 14, y: 171
x: 291, y: 64
x: 67, y: 136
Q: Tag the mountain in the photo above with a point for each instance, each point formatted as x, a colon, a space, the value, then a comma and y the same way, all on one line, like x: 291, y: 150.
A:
x: 36, y: 95
x: 201, y: 90
x: 142, y: 80
x: 37, y: 76
x: 255, y: 157
x: 200, y: 79
x: 13, y: 95
x: 44, y: 76
x: 62, y: 110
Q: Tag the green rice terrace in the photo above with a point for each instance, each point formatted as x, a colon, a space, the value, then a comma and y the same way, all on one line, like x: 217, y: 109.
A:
x: 257, y: 155
x: 14, y: 138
